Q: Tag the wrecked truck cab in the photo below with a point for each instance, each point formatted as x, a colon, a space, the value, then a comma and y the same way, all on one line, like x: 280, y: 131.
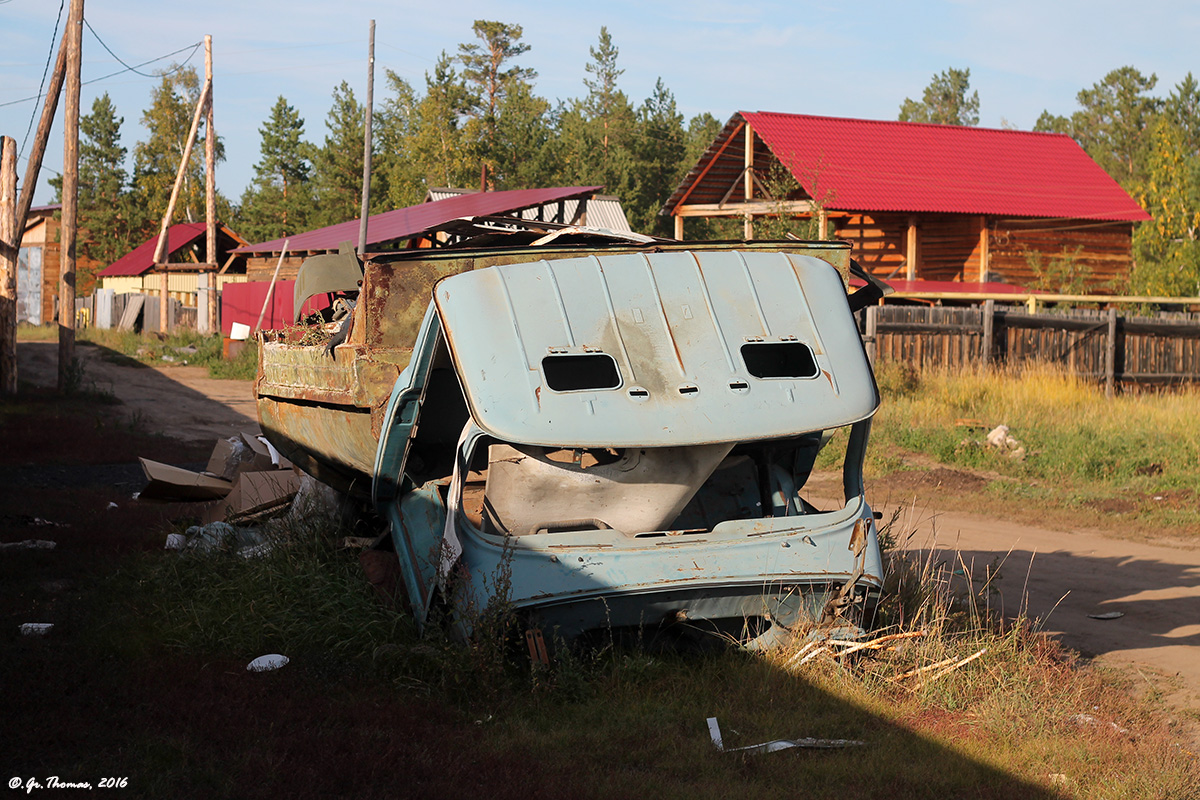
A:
x: 622, y: 441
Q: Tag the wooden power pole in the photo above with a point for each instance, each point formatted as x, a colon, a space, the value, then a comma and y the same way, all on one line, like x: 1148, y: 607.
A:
x: 209, y: 314
x: 49, y: 109
x: 10, y: 244
x: 70, y: 201
x: 160, y: 250
x: 366, y: 191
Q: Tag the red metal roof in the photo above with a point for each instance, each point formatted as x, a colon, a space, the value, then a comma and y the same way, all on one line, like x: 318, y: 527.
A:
x: 873, y: 165
x: 140, y: 259
x: 405, y: 223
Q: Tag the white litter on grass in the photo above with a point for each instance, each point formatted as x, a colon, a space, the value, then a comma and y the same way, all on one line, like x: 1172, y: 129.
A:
x: 29, y: 544
x: 175, y: 541
x: 1088, y: 719
x: 36, y: 628
x: 714, y: 731
x: 268, y: 663
x: 113, y: 506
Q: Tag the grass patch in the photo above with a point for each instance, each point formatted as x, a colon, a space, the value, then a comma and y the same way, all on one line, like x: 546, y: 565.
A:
x: 1135, y: 454
x: 626, y: 723
x: 180, y: 347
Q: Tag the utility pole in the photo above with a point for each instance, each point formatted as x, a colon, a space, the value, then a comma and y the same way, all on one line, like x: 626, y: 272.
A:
x: 70, y: 201
x: 49, y: 109
x: 210, y: 199
x: 366, y: 192
x: 10, y: 244
x: 160, y: 250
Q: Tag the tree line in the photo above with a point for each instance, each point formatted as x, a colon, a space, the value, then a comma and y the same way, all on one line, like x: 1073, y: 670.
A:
x: 478, y: 120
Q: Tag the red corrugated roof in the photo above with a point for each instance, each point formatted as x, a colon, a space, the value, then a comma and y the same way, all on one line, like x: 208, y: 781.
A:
x: 405, y: 223
x: 140, y: 259
x: 872, y: 165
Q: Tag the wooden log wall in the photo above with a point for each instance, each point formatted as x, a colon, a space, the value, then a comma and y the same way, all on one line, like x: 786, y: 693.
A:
x: 878, y: 241
x: 950, y: 247
x: 1104, y: 249
x: 1163, y: 348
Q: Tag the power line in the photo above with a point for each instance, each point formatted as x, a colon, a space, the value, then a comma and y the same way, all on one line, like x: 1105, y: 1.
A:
x: 122, y: 63
x: 194, y: 48
x: 45, y: 71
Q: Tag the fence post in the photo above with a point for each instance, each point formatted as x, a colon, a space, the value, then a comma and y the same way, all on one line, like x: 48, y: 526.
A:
x: 872, y: 325
x: 989, y: 330
x: 1110, y: 355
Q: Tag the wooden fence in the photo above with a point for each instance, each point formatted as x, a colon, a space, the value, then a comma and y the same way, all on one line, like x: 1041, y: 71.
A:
x: 1100, y: 345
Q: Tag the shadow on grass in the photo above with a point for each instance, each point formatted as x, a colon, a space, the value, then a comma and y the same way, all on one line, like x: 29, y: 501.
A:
x: 103, y: 695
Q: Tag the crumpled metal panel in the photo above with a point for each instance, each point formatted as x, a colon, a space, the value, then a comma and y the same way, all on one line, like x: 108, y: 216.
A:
x: 675, y: 323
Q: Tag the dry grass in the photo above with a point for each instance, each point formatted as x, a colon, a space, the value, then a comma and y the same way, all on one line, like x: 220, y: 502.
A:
x: 1136, y: 455
x: 996, y: 690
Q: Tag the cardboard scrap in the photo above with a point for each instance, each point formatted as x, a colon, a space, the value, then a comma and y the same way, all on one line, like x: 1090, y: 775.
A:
x: 254, y: 492
x: 245, y: 475
x: 175, y: 484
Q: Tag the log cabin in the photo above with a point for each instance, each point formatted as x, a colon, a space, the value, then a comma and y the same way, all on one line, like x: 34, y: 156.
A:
x: 920, y: 202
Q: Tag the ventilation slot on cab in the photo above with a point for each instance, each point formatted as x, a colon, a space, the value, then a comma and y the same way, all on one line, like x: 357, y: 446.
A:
x: 779, y: 360
x: 574, y: 373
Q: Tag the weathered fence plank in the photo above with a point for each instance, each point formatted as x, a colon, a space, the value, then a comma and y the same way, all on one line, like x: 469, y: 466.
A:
x: 1100, y: 345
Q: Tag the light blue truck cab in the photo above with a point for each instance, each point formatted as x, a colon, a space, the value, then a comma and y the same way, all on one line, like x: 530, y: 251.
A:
x: 620, y: 441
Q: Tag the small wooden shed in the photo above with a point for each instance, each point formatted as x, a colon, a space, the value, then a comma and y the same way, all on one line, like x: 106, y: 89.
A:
x: 136, y: 272
x: 919, y: 201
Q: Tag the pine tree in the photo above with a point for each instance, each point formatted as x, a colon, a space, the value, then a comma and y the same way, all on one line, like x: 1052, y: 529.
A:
x: 279, y: 201
x: 106, y: 212
x: 490, y: 77
x: 338, y: 165
x: 1113, y: 122
x: 597, y: 132
x: 661, y: 152
x: 439, y: 145
x: 945, y: 101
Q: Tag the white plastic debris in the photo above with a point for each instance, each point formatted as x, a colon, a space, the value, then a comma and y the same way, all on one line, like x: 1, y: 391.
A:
x: 1088, y: 719
x: 998, y: 436
x: 36, y: 628
x: 239, y: 331
x: 112, y: 506
x: 268, y: 663
x: 714, y: 731
x: 216, y: 536
x: 29, y: 544
x: 175, y: 541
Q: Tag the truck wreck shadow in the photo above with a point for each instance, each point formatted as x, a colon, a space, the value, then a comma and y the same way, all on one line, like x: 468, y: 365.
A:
x: 1157, y: 599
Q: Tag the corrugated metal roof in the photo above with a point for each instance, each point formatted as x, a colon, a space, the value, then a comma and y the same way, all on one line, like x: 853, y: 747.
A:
x: 603, y: 210
x: 406, y: 223
x: 140, y: 259
x: 874, y: 165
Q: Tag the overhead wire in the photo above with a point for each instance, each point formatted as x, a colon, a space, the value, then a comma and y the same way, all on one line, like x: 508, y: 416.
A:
x: 127, y: 67
x: 193, y: 47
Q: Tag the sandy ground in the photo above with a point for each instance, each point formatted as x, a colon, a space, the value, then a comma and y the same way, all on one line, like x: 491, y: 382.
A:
x: 177, y: 401
x: 1058, y: 576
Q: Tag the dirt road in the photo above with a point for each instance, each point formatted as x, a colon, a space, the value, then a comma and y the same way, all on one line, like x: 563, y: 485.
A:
x: 177, y: 401
x: 1066, y: 575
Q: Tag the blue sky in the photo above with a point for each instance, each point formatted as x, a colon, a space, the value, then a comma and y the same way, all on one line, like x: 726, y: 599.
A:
x: 838, y: 59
